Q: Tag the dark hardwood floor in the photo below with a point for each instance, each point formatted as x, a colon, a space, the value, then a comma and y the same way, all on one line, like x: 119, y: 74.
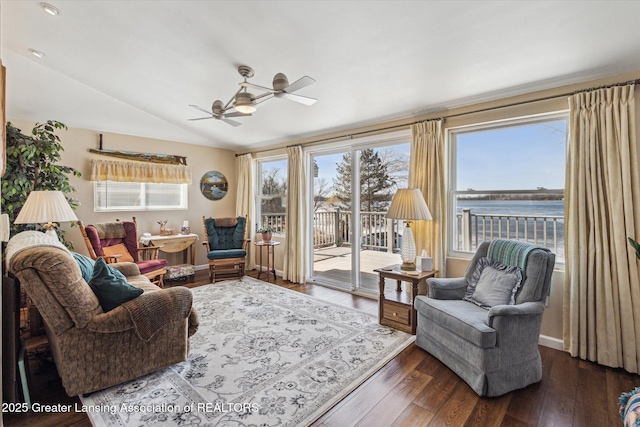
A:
x: 413, y: 389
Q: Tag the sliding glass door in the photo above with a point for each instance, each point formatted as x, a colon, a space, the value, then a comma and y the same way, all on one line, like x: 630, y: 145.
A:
x: 352, y: 190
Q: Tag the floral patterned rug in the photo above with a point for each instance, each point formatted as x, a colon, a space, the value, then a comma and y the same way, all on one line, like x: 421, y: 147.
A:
x: 263, y: 356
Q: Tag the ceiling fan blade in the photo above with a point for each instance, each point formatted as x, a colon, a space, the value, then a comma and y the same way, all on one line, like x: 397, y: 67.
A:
x: 251, y: 85
x: 262, y: 98
x: 299, y: 84
x: 298, y: 98
x: 231, y: 122
x: 237, y: 114
x: 202, y: 118
x: 201, y: 109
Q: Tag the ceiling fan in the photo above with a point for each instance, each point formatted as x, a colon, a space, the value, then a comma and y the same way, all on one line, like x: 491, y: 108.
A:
x: 244, y: 103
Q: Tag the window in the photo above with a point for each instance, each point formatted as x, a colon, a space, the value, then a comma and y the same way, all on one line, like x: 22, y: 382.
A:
x: 137, y: 196
x: 271, y: 200
x: 507, y: 181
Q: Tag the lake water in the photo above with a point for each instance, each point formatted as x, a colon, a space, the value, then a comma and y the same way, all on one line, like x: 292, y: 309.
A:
x: 534, y: 230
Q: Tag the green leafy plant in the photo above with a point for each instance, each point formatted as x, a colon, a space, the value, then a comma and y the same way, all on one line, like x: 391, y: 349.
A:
x: 266, y: 230
x: 635, y: 245
x: 32, y: 164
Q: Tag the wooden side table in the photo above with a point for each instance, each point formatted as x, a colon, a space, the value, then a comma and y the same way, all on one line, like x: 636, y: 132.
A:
x: 393, y: 312
x: 175, y: 243
x: 270, y: 263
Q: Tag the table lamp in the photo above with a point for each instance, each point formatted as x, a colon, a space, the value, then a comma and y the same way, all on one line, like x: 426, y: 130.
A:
x: 408, y: 205
x: 46, y: 207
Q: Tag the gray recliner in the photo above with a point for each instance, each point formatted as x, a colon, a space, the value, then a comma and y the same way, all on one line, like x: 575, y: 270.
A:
x: 495, y: 350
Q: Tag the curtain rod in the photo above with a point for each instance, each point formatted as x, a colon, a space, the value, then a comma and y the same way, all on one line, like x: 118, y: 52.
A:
x: 482, y: 110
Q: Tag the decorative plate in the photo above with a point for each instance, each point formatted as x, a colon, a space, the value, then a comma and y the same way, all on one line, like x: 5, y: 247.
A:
x: 214, y: 185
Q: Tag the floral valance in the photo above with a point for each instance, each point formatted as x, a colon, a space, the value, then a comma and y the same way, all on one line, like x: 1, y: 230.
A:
x: 127, y: 171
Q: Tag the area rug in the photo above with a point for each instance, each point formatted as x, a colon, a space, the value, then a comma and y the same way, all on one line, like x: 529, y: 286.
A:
x: 263, y: 356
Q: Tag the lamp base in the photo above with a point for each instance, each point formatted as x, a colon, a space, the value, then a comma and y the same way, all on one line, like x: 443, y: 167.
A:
x: 408, y: 266
x: 51, y: 231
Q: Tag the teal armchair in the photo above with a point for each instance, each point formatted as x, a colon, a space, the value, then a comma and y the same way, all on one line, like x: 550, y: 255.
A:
x: 226, y: 245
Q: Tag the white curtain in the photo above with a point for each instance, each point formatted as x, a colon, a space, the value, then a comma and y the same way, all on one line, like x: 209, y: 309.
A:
x: 602, y: 294
x: 295, y: 242
x: 245, y: 204
x: 426, y: 172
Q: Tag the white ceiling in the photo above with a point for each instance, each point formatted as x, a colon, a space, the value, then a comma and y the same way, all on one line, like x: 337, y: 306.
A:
x: 133, y: 67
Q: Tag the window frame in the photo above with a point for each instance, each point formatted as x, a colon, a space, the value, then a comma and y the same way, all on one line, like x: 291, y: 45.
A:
x: 259, y: 197
x: 452, y: 192
x: 184, y: 198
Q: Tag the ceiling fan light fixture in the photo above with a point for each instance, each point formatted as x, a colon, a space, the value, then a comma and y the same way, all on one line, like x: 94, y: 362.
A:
x: 51, y: 10
x: 36, y: 53
x: 245, y: 103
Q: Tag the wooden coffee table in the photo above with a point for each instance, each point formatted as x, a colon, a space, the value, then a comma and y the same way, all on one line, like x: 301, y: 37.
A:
x: 392, y: 311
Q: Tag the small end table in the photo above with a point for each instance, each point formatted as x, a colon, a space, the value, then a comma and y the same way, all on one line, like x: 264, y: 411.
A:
x: 393, y: 312
x: 270, y: 245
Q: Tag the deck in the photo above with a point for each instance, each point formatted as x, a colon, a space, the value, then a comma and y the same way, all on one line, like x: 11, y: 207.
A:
x: 334, y: 265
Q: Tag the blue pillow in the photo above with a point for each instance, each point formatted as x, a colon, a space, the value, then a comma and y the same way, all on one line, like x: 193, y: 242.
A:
x: 110, y: 286
x: 86, y: 265
x: 493, y: 283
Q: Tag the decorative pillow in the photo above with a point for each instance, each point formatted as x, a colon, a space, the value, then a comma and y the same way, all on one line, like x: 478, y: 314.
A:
x: 110, y: 286
x: 493, y: 283
x: 86, y: 265
x: 119, y: 249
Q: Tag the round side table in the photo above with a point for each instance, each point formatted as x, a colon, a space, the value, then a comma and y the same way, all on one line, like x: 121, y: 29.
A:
x: 270, y: 245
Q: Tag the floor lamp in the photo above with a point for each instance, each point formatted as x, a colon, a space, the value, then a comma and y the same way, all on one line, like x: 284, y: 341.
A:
x: 408, y: 205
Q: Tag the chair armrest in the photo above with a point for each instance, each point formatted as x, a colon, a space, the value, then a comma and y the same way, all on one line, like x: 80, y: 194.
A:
x: 148, y: 313
x: 127, y: 268
x: 116, y: 320
x: 526, y: 308
x: 206, y: 245
x: 148, y: 252
x: 151, y: 311
x: 245, y: 244
x: 111, y: 259
x: 447, y: 288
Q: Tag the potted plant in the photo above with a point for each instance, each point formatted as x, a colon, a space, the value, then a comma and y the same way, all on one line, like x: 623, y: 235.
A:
x: 33, y: 164
x: 267, y: 233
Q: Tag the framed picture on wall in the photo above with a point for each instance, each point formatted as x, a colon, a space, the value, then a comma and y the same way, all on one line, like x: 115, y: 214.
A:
x: 214, y: 185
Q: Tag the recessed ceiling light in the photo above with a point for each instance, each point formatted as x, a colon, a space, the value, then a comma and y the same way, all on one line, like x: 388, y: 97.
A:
x: 51, y: 10
x: 36, y: 53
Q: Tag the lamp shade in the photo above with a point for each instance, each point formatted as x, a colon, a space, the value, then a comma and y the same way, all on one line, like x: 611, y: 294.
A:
x: 44, y: 207
x: 409, y: 204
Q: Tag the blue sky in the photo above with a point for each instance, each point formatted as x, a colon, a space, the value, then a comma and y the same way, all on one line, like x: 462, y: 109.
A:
x: 514, y: 158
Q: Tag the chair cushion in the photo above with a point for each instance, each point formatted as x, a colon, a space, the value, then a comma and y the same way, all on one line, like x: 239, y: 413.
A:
x: 222, y: 238
x: 110, y: 286
x: 460, y: 317
x: 86, y: 265
x: 226, y: 254
x: 493, y: 283
x: 151, y: 265
x: 119, y: 249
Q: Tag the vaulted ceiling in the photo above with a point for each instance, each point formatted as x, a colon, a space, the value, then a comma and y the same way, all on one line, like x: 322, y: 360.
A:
x: 134, y: 67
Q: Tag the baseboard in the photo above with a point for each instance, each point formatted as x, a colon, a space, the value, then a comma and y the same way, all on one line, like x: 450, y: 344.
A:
x: 551, y: 342
x: 201, y: 267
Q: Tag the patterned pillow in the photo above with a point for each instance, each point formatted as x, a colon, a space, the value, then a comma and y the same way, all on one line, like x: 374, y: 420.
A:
x: 493, y: 283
